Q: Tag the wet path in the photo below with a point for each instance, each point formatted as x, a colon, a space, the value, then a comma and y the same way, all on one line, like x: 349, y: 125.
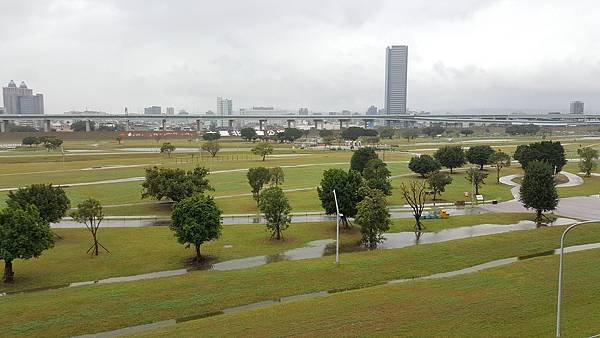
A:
x: 318, y: 248
x: 320, y: 294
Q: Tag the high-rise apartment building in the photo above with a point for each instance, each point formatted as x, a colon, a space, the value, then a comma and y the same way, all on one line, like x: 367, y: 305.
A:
x: 20, y: 100
x: 170, y: 111
x: 372, y: 111
x: 224, y: 106
x: 396, y: 64
x: 576, y: 107
x: 303, y: 111
x: 154, y: 110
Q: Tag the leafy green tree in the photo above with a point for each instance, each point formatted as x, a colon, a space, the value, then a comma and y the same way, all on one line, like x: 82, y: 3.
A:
x: 424, y: 165
x: 24, y: 234
x: 360, y: 157
x: 51, y: 202
x: 326, y: 133
x: 387, y: 133
x: 167, y: 148
x: 174, y: 184
x: 466, y: 132
x: 248, y: 134
x: 276, y: 208
x: 450, y: 157
x: 437, y: 183
x: 90, y: 213
x: 376, y: 175
x: 212, y: 147
x: 373, y: 217
x: 51, y: 143
x: 415, y: 195
x: 262, y: 149
x: 476, y: 178
x: 30, y: 141
x: 410, y: 134
x: 290, y: 135
x: 276, y: 176
x: 479, y: 155
x: 257, y: 178
x: 196, y: 220
x: 587, y: 157
x: 211, y: 136
x: 538, y: 190
x: 433, y: 131
x: 529, y: 129
x: 547, y: 151
x: 499, y: 160
x: 80, y: 126
x: 371, y: 140
x: 347, y: 186
x: 353, y: 133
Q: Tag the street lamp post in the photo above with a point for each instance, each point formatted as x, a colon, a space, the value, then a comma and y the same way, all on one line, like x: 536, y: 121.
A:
x: 560, y: 271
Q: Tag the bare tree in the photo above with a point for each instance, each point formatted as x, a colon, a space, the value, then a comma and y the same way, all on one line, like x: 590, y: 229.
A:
x: 89, y: 212
x: 415, y: 194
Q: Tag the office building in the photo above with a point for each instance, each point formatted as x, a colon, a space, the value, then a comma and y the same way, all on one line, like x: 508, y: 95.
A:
x: 170, y: 111
x: 303, y: 111
x: 576, y: 107
x: 20, y: 100
x: 396, y: 64
x: 224, y: 106
x: 154, y: 110
x: 371, y: 111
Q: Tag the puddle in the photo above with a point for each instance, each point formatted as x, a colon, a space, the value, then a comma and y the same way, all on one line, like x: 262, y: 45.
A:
x: 266, y: 303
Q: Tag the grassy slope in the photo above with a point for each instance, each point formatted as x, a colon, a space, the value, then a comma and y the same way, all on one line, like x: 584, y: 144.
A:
x: 105, y: 307
x: 512, y: 301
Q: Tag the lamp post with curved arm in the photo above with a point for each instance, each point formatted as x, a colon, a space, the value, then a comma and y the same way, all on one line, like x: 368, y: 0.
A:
x: 560, y: 270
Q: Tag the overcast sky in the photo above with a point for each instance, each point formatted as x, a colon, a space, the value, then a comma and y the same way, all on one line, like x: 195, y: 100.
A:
x: 324, y: 55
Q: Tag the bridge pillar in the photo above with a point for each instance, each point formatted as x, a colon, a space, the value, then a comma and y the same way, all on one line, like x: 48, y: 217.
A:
x: 317, y: 124
x: 231, y: 124
x: 261, y: 124
x: 197, y: 125
x: 46, y: 126
x: 88, y: 126
x: 3, y: 125
x: 290, y: 122
x: 341, y: 124
x: 164, y: 125
x: 365, y: 123
x: 127, y: 125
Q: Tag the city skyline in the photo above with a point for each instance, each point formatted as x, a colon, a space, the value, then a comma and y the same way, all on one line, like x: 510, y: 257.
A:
x: 463, y: 56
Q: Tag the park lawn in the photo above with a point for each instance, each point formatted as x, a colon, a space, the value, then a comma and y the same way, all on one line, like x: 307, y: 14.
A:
x: 150, y: 249
x: 67, y: 311
x: 518, y: 300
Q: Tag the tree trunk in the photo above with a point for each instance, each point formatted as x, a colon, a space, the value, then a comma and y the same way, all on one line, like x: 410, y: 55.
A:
x: 95, y: 245
x: 476, y: 189
x: 481, y: 168
x: 498, y: 175
x: 8, y: 272
x: 198, y: 255
x: 451, y: 170
x: 278, y: 231
x: 538, y: 218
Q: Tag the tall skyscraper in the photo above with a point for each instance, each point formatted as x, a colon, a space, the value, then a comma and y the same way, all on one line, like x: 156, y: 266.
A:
x: 224, y: 106
x: 154, y: 110
x: 396, y: 64
x: 20, y: 100
x: 170, y: 111
x: 576, y: 107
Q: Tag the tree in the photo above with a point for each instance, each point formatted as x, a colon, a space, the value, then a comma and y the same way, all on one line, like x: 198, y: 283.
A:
x: 119, y: 139
x: 587, y: 157
x: 466, y: 132
x: 276, y: 176
x: 323, y: 133
x: 276, y: 208
x: 424, y: 165
x: 415, y: 195
x: 80, y: 125
x: 257, y: 179
x: 30, y: 140
x: 476, y: 178
x: 196, y: 220
x: 479, y: 155
x: 212, y: 147
x: 499, y: 160
x: 433, y: 131
x: 262, y: 149
x: 377, y: 176
x: 167, y: 148
x: 353, y: 133
x: 51, y: 143
x: 89, y: 212
x: 290, y: 135
x: 373, y: 217
x: 51, y: 202
x: 538, y: 190
x: 174, y: 184
x: 437, y: 183
x: 360, y: 157
x: 24, y: 234
x: 372, y: 140
x: 410, y: 134
x: 347, y: 186
x: 450, y: 157
x: 529, y: 129
x: 211, y: 136
x: 248, y: 134
x: 387, y: 133
x: 551, y: 152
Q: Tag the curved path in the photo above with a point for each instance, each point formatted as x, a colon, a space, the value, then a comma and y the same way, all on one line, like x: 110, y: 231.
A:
x: 574, y: 180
